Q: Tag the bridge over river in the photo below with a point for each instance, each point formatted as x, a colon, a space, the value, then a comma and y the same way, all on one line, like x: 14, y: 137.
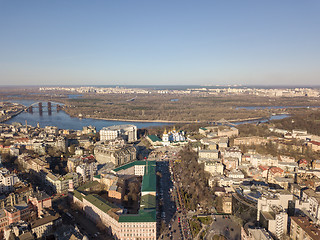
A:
x: 48, y: 106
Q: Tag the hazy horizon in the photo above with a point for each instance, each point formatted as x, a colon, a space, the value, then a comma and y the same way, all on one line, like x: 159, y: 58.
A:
x: 164, y: 85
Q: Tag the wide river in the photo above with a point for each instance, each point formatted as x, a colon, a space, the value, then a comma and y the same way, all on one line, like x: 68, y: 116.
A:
x: 64, y: 121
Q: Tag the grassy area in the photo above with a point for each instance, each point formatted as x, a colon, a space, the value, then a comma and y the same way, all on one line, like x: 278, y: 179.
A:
x: 205, y: 220
x: 195, y: 227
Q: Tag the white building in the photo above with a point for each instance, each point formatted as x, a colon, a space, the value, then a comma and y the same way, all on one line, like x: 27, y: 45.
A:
x: 272, y: 212
x: 205, y: 155
x: 313, y: 199
x: 127, y: 132
x: 257, y: 160
x: 214, y: 167
x: 7, y: 180
x: 234, y: 152
x: 87, y: 171
x: 235, y: 174
x: 52, y: 130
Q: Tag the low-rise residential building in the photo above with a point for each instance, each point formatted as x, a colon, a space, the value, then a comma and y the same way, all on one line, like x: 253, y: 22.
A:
x: 14, y: 214
x: 20, y: 194
x: 34, y: 164
x: 223, y: 181
x: 4, y: 149
x: 301, y: 228
x: 61, y: 184
x: 288, y: 166
x: 258, y: 159
x: 7, y: 180
x: 223, y: 143
x: 233, y: 152
x: 228, y: 132
x: 316, y: 164
x: 283, y: 182
x: 235, y: 174
x: 277, y: 130
x: 45, y: 225
x: 230, y: 163
x: 18, y: 230
x: 116, y: 192
x: 250, y: 141
x: 227, y: 204
x: 40, y: 201
x: 314, y: 145
x: 274, y: 172
x: 214, y: 167
x: 76, y: 161
x: 205, y: 155
x: 52, y: 130
x: 264, y: 171
x: 89, y: 130
x: 87, y: 171
x: 203, y: 130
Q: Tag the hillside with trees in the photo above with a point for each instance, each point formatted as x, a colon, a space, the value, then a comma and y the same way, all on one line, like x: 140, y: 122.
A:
x: 194, y: 180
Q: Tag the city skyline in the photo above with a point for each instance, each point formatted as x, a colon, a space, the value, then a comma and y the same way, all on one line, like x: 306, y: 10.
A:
x: 159, y: 43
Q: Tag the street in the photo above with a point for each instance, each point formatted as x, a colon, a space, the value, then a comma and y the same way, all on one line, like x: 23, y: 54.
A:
x: 225, y: 226
x: 172, y: 211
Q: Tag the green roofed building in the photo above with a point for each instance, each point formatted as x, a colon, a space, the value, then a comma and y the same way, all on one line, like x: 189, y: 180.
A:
x: 149, y: 180
x: 134, y: 168
x: 123, y: 226
x: 154, y: 140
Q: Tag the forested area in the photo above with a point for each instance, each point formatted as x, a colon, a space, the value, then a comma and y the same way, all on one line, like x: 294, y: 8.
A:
x: 310, y: 121
x: 195, y: 107
x: 194, y: 181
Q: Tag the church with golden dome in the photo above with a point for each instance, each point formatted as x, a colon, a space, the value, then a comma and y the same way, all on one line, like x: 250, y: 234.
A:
x: 172, y: 136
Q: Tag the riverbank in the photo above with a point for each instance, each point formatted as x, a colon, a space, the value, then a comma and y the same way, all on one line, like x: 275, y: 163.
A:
x: 10, y: 115
x: 146, y: 121
x: 64, y: 119
x: 233, y: 121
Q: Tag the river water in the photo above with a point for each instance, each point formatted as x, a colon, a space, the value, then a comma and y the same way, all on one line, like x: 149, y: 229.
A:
x: 64, y: 121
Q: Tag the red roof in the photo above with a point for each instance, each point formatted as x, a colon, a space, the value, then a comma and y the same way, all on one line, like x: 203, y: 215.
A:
x: 1, y: 146
x: 21, y: 139
x: 303, y: 161
x: 275, y: 170
x: 263, y: 168
x: 315, y: 143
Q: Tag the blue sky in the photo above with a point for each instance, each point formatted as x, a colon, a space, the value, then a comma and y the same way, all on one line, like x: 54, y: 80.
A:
x: 165, y: 42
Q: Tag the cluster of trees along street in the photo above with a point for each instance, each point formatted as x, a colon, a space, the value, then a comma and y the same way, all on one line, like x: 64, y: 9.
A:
x: 194, y: 180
